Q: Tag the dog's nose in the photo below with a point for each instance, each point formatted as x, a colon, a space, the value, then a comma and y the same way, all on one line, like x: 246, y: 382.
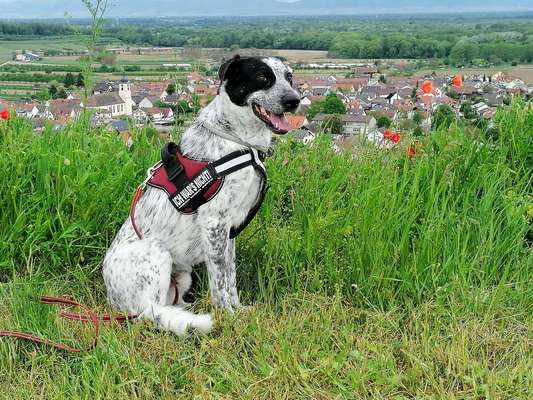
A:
x: 291, y: 102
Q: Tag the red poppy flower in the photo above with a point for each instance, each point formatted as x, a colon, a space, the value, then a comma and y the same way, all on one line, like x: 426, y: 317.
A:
x: 427, y: 87
x: 396, y: 138
x: 4, y: 114
x: 457, y: 81
x: 411, y: 151
x: 392, y: 136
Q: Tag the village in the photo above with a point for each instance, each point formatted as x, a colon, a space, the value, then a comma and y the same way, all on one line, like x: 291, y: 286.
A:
x: 363, y: 105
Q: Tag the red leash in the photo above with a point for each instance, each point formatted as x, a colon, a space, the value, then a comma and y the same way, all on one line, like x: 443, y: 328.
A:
x: 136, y: 198
x: 86, y: 317
x: 90, y: 316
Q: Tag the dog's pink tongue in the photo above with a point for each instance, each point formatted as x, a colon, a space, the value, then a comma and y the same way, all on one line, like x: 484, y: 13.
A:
x: 280, y: 122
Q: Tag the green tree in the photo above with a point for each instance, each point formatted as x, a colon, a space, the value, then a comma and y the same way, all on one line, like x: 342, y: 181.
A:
x: 382, y: 79
x: 61, y: 93
x: 468, y: 111
x: 334, y: 105
x: 333, y: 125
x: 443, y: 116
x: 80, y: 81
x: 315, y: 108
x: 52, y: 91
x: 171, y: 89
x: 383, y: 121
x: 69, y: 80
x: 464, y: 52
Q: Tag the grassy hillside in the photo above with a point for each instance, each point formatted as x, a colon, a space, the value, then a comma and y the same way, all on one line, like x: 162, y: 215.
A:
x: 373, y: 277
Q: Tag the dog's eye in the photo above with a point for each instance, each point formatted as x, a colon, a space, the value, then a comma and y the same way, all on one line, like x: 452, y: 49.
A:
x: 262, y: 78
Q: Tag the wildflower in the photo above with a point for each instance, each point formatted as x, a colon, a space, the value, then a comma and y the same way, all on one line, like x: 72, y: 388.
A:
x: 427, y: 87
x: 66, y: 162
x: 411, y: 151
x: 457, y: 81
x: 4, y: 115
x: 392, y: 136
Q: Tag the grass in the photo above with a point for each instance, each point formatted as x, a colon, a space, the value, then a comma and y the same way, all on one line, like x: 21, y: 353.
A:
x: 376, y: 277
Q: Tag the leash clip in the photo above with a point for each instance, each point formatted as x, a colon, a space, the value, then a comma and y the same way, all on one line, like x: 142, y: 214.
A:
x: 149, y: 175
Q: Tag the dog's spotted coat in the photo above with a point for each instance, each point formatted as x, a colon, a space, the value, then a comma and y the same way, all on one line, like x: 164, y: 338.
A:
x: 137, y: 273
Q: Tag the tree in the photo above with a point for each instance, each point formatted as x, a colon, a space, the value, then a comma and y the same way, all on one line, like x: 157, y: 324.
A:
x: 468, y: 111
x: 382, y: 79
x: 383, y: 121
x: 443, y: 117
x: 171, y: 89
x: 61, y: 93
x: 315, y: 108
x: 452, y: 94
x: 80, y: 81
x: 52, y: 91
x: 69, y: 80
x: 334, y: 105
x: 464, y: 52
x: 333, y: 125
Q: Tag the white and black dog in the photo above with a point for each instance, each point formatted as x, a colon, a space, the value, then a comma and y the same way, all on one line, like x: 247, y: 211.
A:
x: 138, y: 273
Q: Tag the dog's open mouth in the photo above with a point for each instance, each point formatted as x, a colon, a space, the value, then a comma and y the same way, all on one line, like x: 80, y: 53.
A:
x: 276, y: 122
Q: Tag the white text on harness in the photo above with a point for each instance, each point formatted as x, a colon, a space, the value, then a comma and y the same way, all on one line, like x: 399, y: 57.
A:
x: 198, y: 184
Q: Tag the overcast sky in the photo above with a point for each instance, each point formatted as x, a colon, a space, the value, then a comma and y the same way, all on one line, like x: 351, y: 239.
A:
x: 150, y: 8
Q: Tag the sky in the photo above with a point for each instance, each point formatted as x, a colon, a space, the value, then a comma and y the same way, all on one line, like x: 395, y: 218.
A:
x: 175, y: 8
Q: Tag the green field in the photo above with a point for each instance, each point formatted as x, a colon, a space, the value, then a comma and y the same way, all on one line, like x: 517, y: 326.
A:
x: 378, y: 277
x: 7, y: 47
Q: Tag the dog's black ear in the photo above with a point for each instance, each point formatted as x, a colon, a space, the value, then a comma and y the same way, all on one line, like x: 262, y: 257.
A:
x: 227, y: 67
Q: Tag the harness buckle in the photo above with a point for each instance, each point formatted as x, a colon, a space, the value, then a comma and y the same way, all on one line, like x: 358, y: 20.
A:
x: 150, y: 174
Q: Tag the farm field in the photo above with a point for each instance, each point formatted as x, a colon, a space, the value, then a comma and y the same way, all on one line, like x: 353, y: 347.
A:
x: 524, y: 72
x: 8, y: 47
x: 376, y: 277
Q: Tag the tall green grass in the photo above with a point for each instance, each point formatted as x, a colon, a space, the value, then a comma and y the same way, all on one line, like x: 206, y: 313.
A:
x: 379, y: 228
x: 373, y: 277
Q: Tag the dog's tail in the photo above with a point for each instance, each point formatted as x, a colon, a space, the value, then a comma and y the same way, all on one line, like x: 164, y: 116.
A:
x: 177, y: 320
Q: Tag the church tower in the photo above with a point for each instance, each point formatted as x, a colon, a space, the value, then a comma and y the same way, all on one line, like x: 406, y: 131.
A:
x: 124, y: 91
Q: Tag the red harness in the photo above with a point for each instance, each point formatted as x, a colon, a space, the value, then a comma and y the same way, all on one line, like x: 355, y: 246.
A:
x: 190, y: 183
x: 191, y: 169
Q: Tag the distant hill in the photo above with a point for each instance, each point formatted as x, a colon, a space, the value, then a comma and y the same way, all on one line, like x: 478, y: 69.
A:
x: 176, y: 8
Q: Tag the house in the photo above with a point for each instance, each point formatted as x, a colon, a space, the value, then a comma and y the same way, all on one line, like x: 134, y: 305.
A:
x: 116, y: 103
x: 146, y: 101
x: 110, y: 102
x: 304, y: 135
x: 367, y: 70
x: 160, y: 115
x: 352, y: 124
x: 63, y: 110
x: 27, y: 56
x: 358, y: 124
x: 28, y: 110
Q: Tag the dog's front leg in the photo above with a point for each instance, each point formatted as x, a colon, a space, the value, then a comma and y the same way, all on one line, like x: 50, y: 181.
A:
x: 215, y: 237
x: 232, y: 275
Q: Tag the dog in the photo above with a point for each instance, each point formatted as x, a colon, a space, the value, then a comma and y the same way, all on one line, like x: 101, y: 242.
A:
x: 139, y: 274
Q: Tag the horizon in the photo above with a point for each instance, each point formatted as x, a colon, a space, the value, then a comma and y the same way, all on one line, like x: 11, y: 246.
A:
x: 398, y: 15
x: 129, y: 9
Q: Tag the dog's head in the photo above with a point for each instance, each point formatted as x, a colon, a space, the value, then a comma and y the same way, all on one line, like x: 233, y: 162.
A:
x: 263, y: 88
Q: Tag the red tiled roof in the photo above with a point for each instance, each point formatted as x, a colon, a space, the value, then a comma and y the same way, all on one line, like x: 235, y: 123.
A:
x: 296, y: 121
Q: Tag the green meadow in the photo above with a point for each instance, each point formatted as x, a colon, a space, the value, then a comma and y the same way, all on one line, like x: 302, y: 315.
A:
x: 374, y: 276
